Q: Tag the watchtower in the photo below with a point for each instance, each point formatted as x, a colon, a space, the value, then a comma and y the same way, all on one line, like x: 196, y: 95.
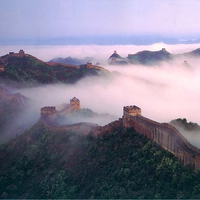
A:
x: 48, y: 111
x: 21, y: 53
x: 130, y: 111
x: 75, y: 103
x: 89, y: 65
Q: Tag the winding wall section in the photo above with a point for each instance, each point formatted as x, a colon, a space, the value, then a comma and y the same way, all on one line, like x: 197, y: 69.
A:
x: 165, y: 135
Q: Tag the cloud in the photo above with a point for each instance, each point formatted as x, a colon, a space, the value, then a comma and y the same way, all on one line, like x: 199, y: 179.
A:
x: 38, y: 19
x: 163, y: 92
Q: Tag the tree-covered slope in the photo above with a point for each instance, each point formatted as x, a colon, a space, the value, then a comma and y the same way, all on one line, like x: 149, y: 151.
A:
x: 28, y: 69
x: 43, y: 163
x: 155, y: 57
x: 149, y: 57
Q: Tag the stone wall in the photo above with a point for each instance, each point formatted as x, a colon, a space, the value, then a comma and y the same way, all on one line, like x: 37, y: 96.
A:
x: 167, y: 136
x: 48, y: 111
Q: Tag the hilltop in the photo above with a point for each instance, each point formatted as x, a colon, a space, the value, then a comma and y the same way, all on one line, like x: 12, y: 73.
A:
x: 149, y: 57
x: 194, y: 53
x: 27, y: 69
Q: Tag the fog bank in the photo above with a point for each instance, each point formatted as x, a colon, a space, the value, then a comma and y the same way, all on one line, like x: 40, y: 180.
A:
x: 164, y: 92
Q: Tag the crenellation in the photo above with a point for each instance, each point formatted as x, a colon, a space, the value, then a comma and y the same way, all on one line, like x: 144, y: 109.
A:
x: 164, y: 134
x: 132, y: 110
x: 75, y: 103
x: 21, y: 53
x: 48, y: 111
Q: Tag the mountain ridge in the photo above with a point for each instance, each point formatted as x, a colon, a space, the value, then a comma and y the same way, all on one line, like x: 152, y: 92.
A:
x: 147, y: 57
x: 25, y: 68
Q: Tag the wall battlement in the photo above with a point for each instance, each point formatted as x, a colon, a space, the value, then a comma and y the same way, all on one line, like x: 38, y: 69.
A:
x: 75, y: 103
x: 164, y: 134
x: 21, y: 53
x: 50, y: 111
x: 132, y: 110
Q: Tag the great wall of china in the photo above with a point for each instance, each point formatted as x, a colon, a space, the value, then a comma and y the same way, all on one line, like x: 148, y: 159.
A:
x: 3, y: 59
x: 48, y: 114
x: 163, y: 134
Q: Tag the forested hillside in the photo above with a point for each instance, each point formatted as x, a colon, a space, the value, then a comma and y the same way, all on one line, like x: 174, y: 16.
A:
x: 46, y: 164
x: 29, y: 70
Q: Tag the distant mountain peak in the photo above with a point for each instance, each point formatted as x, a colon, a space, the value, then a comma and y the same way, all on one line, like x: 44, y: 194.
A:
x: 24, y: 68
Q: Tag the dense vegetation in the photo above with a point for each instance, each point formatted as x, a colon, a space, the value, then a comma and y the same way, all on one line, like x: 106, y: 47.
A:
x: 43, y: 163
x: 30, y: 70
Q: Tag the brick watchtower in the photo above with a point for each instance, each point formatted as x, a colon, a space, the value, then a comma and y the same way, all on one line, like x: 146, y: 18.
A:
x: 75, y: 104
x: 21, y: 53
x: 48, y: 111
x: 128, y: 112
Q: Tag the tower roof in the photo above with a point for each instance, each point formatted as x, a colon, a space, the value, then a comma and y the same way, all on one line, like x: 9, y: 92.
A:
x: 74, y: 99
x: 115, y: 55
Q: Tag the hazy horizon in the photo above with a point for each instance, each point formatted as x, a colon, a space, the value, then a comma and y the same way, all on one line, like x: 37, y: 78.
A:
x: 99, y: 22
x: 98, y: 52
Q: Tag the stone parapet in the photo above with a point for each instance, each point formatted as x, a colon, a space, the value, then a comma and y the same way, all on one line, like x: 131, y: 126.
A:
x: 164, y: 134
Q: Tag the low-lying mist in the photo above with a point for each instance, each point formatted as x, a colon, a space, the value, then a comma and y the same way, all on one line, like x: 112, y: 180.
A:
x: 192, y: 136
x: 84, y: 115
x: 164, y: 92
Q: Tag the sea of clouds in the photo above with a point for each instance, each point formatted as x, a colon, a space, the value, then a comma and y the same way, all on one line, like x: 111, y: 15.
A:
x: 164, y: 92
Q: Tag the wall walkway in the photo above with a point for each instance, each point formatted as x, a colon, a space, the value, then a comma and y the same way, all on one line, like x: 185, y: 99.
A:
x: 167, y: 136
